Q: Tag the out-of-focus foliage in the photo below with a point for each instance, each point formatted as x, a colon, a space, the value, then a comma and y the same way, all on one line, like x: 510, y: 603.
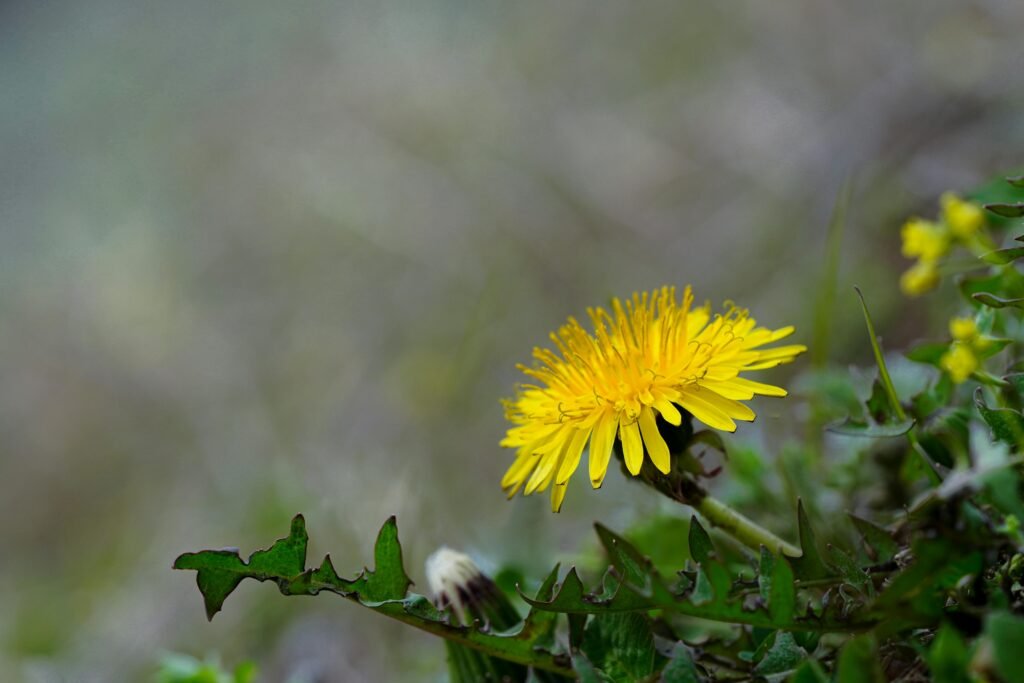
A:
x: 177, y: 668
x: 258, y: 258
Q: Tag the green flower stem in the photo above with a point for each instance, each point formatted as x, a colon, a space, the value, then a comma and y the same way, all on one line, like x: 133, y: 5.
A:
x: 743, y: 529
x: 681, y: 486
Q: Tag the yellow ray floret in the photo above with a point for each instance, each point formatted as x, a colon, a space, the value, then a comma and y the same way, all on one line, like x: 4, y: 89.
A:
x: 650, y: 357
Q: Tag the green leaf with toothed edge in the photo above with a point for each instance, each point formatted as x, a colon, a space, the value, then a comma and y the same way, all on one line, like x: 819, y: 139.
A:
x: 714, y: 593
x: 383, y: 589
x: 879, y: 541
x: 1006, y: 425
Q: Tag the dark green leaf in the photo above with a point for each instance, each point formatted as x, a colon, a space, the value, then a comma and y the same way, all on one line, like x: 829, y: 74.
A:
x: 680, y: 668
x: 784, y: 655
x: 782, y: 593
x: 881, y: 543
x: 809, y: 565
x: 1016, y: 180
x: 993, y: 301
x: 630, y: 565
x: 859, y: 661
x: 851, y: 571
x: 620, y: 645
x: 218, y: 572
x: 701, y: 548
x: 1006, y: 210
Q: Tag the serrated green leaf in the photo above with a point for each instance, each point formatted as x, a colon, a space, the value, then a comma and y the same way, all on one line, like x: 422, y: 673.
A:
x: 851, y: 571
x: 681, y: 668
x: 1016, y: 380
x: 809, y: 565
x: 218, y: 572
x: 878, y: 540
x: 1006, y: 632
x: 384, y: 590
x: 630, y: 565
x: 1007, y: 425
x: 701, y: 548
x: 948, y: 657
x: 784, y: 655
x: 859, y: 661
x: 1006, y: 210
x: 851, y: 427
x: 620, y: 645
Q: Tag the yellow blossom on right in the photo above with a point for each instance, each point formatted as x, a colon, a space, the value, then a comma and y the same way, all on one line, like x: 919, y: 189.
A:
x: 960, y: 222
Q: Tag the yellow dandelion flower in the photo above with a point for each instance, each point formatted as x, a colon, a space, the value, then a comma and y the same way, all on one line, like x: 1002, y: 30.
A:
x: 919, y: 278
x: 963, y: 329
x: 650, y: 357
x: 923, y: 239
x: 960, y: 362
x: 964, y: 218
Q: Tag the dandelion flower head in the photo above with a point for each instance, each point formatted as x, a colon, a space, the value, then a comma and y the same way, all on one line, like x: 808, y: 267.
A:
x: 652, y: 356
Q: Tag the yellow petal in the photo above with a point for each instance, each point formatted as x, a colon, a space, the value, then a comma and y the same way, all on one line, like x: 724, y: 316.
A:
x: 733, y: 409
x: 557, y: 496
x: 548, y: 460
x: 669, y: 412
x: 656, y: 446
x: 706, y: 413
x: 572, y: 456
x: 758, y: 387
x: 601, y: 449
x: 632, y: 447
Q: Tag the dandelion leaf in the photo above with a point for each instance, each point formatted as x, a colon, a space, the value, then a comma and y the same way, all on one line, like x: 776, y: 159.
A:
x: 384, y: 589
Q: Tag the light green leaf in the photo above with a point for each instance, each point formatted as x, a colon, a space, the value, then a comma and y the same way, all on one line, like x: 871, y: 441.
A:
x: 1006, y: 632
x: 1006, y: 425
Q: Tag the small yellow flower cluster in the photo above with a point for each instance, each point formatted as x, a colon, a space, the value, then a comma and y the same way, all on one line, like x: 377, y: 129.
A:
x: 962, y: 358
x: 929, y: 241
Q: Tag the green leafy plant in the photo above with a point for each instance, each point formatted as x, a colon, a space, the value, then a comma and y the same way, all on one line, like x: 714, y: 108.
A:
x: 905, y: 507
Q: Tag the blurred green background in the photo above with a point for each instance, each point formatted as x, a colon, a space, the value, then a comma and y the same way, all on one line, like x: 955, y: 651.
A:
x: 260, y: 257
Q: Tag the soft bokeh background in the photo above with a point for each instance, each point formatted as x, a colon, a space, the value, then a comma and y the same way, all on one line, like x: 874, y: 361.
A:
x: 262, y: 257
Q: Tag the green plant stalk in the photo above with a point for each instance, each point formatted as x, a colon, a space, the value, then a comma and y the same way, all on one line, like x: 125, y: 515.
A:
x: 742, y: 528
x: 681, y: 486
x: 890, y: 391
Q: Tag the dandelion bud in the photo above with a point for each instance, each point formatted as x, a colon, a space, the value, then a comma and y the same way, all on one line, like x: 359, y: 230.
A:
x: 455, y: 581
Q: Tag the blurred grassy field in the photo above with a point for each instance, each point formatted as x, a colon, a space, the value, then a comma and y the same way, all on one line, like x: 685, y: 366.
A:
x: 258, y: 258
